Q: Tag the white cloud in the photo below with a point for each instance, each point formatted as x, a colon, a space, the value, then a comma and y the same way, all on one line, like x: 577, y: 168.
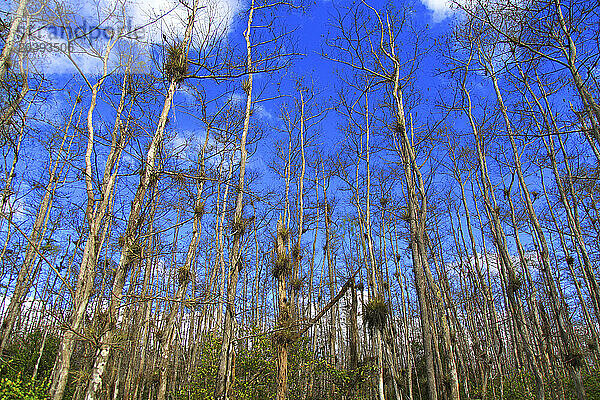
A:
x: 238, y: 98
x: 262, y: 112
x: 15, y: 206
x: 141, y: 24
x: 440, y: 8
x: 170, y: 17
x: 187, y: 145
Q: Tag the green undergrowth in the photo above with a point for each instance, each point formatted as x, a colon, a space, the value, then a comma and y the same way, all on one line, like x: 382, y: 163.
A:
x: 311, y: 375
x: 521, y: 386
x: 256, y: 371
x: 21, y: 356
x: 18, y: 363
x: 17, y: 388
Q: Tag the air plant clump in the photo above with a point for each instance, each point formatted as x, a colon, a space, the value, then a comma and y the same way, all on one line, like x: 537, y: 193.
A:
x: 153, y: 178
x: 296, y: 253
x: 199, y: 210
x: 79, y: 377
x: 246, y: 85
x: 135, y: 250
x: 574, y: 359
x: 130, y: 85
x: 375, y: 313
x: 570, y: 260
x: 514, y: 284
x: 175, y: 66
x: 183, y: 275
x: 130, y: 88
x: 405, y: 216
x: 398, y: 127
x: 238, y: 227
x: 283, y: 233
x: 134, y: 253
x: 296, y: 284
x: 383, y: 201
x: 284, y: 333
x: 102, y: 318
x: 281, y: 267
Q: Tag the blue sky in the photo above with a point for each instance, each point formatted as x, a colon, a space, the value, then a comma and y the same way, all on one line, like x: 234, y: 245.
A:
x: 310, y: 29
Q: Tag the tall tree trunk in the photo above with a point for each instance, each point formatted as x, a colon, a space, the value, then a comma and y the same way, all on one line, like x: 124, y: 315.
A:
x: 565, y: 329
x: 506, y: 265
x: 183, y: 276
x: 9, y: 42
x: 131, y: 249
x: 223, y: 380
x: 284, y: 335
x: 94, y: 215
x: 25, y: 278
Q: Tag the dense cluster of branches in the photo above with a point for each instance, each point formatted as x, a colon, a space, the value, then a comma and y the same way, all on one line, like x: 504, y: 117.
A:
x: 164, y: 235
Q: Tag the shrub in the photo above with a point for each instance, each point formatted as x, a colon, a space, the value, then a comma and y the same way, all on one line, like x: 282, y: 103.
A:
x: 23, y: 352
x: 18, y: 389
